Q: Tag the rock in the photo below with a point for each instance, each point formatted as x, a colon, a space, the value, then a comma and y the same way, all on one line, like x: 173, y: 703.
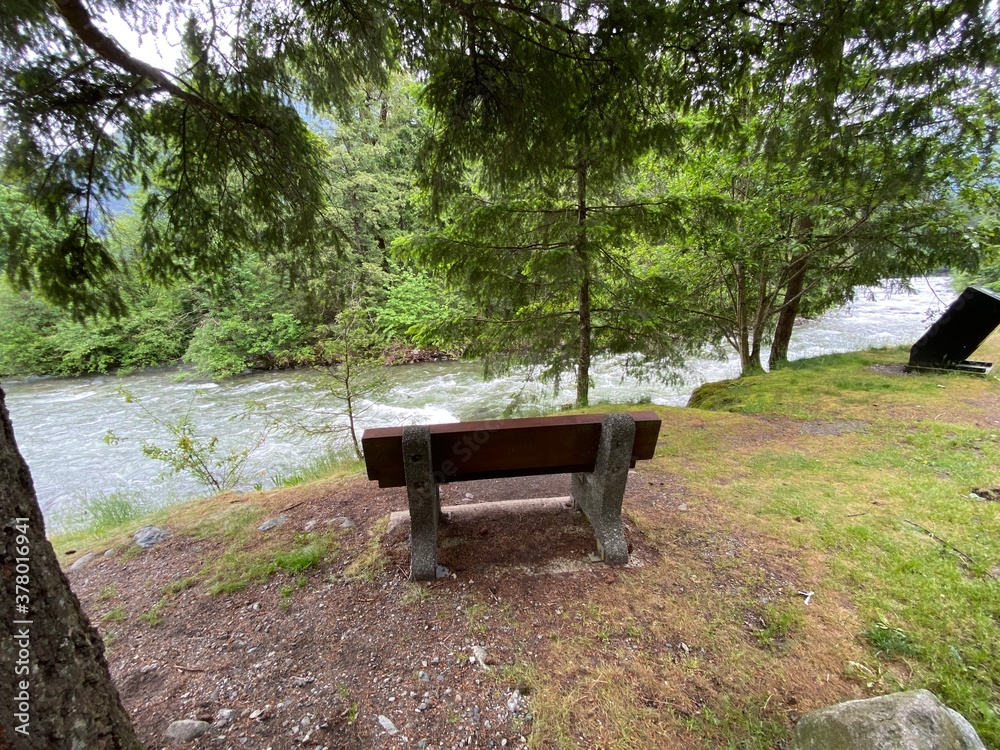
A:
x: 914, y: 720
x: 83, y: 562
x: 186, y: 730
x: 441, y: 572
x: 225, y: 716
x: 424, y: 677
x: 480, y: 653
x: 110, y: 552
x: 148, y: 536
x: 514, y: 701
x: 995, y: 572
x: 342, y: 522
x: 387, y: 724
x: 272, y: 523
x: 310, y: 526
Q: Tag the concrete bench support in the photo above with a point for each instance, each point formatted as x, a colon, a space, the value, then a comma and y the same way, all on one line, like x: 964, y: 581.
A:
x: 599, y: 494
x: 424, y: 500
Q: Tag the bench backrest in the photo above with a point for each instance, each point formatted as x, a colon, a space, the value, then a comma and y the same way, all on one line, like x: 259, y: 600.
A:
x: 499, y: 448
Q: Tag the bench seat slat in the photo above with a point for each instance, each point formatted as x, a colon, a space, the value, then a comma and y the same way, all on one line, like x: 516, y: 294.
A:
x: 494, y: 449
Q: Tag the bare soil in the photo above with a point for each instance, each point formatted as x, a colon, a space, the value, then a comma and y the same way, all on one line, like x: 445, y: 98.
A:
x: 324, y: 662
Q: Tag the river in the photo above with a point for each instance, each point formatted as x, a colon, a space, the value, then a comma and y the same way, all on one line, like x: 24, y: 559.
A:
x: 60, y: 423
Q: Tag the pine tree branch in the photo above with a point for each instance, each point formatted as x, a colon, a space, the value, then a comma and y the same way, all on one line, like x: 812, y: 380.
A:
x: 80, y: 22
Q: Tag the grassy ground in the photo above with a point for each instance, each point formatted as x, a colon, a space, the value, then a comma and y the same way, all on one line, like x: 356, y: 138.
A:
x: 839, y: 476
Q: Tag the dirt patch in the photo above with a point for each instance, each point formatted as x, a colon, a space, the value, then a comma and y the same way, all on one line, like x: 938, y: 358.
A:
x: 319, y: 659
x: 834, y: 427
x: 891, y: 368
x: 990, y: 494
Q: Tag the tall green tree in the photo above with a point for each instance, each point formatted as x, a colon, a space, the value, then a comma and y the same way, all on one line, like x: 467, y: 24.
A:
x: 226, y: 162
x: 762, y: 236
x: 883, y: 109
x: 528, y: 172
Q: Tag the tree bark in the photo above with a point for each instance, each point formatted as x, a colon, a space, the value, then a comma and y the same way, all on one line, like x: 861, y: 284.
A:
x: 55, y: 690
x: 789, y: 311
x: 583, y: 359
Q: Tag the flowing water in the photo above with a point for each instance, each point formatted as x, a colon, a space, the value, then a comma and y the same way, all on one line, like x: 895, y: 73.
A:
x: 60, y: 423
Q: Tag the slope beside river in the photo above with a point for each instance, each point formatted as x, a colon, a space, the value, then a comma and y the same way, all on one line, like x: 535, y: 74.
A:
x: 824, y: 532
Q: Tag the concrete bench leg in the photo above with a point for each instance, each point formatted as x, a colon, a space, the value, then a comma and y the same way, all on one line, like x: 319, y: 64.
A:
x: 424, y: 501
x: 600, y: 493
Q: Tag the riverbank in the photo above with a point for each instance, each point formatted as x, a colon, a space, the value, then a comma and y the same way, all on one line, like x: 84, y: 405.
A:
x: 873, y: 490
x: 49, y: 414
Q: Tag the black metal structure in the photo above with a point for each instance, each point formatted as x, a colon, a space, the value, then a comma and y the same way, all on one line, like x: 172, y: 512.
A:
x: 958, y: 333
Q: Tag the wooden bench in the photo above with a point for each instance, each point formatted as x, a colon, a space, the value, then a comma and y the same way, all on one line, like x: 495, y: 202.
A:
x: 596, y: 449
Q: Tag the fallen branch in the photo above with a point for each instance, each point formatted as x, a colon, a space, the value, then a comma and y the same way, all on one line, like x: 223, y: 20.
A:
x: 179, y: 668
x: 944, y: 542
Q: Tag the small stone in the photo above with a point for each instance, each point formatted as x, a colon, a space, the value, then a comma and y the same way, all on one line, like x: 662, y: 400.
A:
x: 441, y: 572
x: 186, y: 730
x: 995, y: 572
x: 310, y: 525
x: 480, y: 655
x: 302, y: 681
x: 424, y: 705
x: 225, y: 716
x: 273, y: 523
x: 387, y: 724
x: 148, y: 536
x: 343, y: 522
x: 149, y: 668
x: 424, y: 677
x: 682, y: 507
x: 514, y: 701
x: 83, y: 562
x: 110, y: 552
x: 469, y: 496
x: 423, y: 743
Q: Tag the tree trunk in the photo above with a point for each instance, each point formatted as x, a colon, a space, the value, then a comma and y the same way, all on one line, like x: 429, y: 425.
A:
x: 788, y: 313
x: 55, y: 690
x: 748, y: 346
x: 583, y: 363
x: 583, y: 359
x: 750, y: 362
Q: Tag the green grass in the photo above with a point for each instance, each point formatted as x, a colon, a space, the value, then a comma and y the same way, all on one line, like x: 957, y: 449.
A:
x: 115, y: 614
x: 323, y: 467
x: 371, y: 561
x: 106, y: 520
x: 238, y: 568
x: 891, y: 508
x: 97, y: 515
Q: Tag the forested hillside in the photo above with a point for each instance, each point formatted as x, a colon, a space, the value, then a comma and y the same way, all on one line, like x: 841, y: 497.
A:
x: 263, y: 311
x: 527, y: 210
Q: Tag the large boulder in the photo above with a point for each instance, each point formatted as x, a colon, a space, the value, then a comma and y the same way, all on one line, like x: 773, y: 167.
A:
x: 914, y: 720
